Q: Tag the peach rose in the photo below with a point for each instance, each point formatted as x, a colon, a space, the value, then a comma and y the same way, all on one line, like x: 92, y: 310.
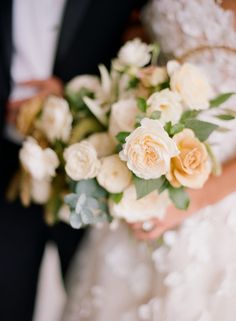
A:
x: 191, y: 168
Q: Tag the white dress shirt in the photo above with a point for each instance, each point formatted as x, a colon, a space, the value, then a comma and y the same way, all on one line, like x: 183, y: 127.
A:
x: 36, y: 27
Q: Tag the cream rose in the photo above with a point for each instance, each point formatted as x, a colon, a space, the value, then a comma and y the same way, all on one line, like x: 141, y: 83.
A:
x: 152, y: 76
x: 89, y: 82
x: 114, y: 175
x: 103, y: 143
x: 56, y: 119
x: 191, y: 168
x: 168, y: 103
x: 40, y: 190
x: 81, y: 161
x: 123, y: 116
x: 134, y: 53
x: 192, y: 85
x: 39, y: 163
x: 153, y: 205
x: 148, y: 150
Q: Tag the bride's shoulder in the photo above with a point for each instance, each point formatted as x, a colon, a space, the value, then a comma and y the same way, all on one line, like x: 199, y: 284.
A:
x: 193, y: 23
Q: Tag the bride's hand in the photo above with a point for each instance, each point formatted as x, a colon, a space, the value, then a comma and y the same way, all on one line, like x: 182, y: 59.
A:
x: 157, y: 228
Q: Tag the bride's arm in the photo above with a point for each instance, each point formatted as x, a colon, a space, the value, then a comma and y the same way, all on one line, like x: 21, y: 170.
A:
x: 216, y: 188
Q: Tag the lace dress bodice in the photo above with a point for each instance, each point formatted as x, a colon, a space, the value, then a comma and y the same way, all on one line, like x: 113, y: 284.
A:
x: 202, y: 32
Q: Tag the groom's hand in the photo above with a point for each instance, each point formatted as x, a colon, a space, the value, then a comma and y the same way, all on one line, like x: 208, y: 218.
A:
x: 44, y: 88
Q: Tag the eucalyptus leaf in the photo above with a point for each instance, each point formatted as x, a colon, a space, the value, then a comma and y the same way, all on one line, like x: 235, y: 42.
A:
x: 90, y: 188
x: 216, y: 102
x: 201, y: 128
x: 71, y: 200
x: 144, y: 187
x: 179, y: 197
x: 75, y: 221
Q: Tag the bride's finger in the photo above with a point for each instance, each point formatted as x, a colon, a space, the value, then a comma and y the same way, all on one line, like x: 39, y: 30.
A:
x: 152, y: 235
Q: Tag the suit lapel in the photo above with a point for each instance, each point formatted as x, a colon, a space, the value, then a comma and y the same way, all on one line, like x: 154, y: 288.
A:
x: 6, y: 32
x: 73, y: 17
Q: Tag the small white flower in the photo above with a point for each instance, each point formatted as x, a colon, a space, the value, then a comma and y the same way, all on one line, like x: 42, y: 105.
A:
x: 56, y: 119
x: 103, y: 143
x: 40, y: 163
x: 191, y: 84
x: 134, y: 53
x: 40, y: 190
x: 153, y: 205
x: 81, y: 161
x: 148, y: 150
x: 114, y: 175
x: 123, y: 116
x: 168, y: 103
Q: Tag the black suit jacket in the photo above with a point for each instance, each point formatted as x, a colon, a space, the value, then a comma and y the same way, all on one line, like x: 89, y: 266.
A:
x: 90, y: 34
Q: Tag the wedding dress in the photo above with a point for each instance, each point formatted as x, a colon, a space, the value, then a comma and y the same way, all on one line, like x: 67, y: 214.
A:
x: 192, y: 275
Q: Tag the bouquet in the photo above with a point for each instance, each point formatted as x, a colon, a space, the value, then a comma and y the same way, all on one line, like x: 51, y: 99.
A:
x: 122, y: 146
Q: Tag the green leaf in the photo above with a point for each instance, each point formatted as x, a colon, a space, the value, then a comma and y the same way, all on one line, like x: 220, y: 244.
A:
x: 164, y: 186
x: 168, y: 127
x: 226, y: 117
x: 201, y: 128
x: 142, y: 104
x: 163, y: 85
x: 155, y: 115
x: 116, y: 197
x: 216, y: 102
x: 155, y: 53
x: 133, y: 83
x: 216, y: 166
x: 179, y: 197
x: 122, y: 136
x: 189, y: 114
x: 173, y: 129
x: 144, y: 187
x: 138, y: 119
x: 177, y: 128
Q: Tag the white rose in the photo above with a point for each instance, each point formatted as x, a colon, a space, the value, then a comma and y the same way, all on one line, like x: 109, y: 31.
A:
x: 123, y: 116
x: 153, y: 205
x: 168, y: 103
x: 103, y: 143
x: 40, y: 190
x: 191, y: 84
x: 89, y: 82
x: 40, y: 163
x: 56, y: 119
x: 114, y: 175
x: 134, y: 53
x: 148, y: 150
x: 81, y: 161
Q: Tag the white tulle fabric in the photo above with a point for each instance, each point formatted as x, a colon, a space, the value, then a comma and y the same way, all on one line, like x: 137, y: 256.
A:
x: 192, y: 276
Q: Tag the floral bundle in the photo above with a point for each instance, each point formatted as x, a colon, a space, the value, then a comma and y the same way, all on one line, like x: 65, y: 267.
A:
x: 120, y: 146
